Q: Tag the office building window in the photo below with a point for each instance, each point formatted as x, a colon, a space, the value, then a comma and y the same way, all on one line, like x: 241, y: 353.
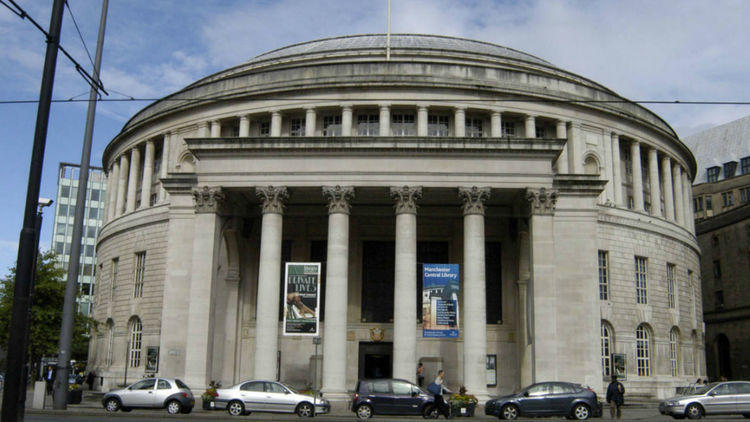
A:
x: 674, y: 338
x: 729, y: 169
x: 745, y: 165
x: 140, y: 270
x: 698, y: 204
x: 744, y: 195
x: 719, y: 298
x: 403, y: 125
x: 134, y: 349
x: 641, y: 296
x: 712, y: 174
x: 727, y: 199
x: 643, y: 351
x: 297, y: 127
x: 607, y: 343
x: 509, y: 128
x: 709, y: 203
x: 265, y: 128
x: 110, y: 342
x: 437, y: 125
x: 603, y: 275
x: 368, y: 124
x: 332, y: 126
x: 474, y: 128
x: 670, y: 286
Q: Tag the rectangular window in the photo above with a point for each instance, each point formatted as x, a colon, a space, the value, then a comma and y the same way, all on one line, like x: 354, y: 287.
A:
x: 437, y: 125
x: 719, y: 296
x: 509, y: 128
x: 297, y: 127
x: 729, y: 169
x: 712, y: 174
x: 670, y: 286
x: 331, y: 125
x: 709, y: 204
x: 727, y: 199
x: 113, y: 278
x: 265, y: 128
x: 368, y: 124
x: 717, y: 270
x: 603, y: 275
x: 627, y: 162
x: 541, y: 132
x: 91, y: 232
x: 403, y: 125
x: 474, y: 128
x: 745, y: 165
x: 641, y: 296
x: 745, y: 195
x: 698, y: 204
x: 140, y: 269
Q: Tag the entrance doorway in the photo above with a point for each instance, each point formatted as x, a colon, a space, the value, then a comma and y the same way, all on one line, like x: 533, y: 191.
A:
x: 375, y: 360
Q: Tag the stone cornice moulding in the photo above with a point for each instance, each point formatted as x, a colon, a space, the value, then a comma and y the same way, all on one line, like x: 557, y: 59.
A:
x: 473, y: 199
x: 339, y: 198
x: 273, y: 198
x: 406, y: 198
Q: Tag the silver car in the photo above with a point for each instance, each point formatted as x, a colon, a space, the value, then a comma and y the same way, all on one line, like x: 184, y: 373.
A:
x: 268, y: 396
x: 719, y: 398
x: 158, y: 393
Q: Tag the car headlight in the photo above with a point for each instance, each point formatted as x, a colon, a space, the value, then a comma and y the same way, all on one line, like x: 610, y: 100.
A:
x: 672, y: 403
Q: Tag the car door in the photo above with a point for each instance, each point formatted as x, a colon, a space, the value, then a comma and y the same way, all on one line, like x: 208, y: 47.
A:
x: 140, y: 394
x: 560, y: 398
x: 163, y: 390
x: 404, y: 400
x: 534, y: 401
x: 720, y: 400
x: 742, y: 397
x: 253, y: 395
x: 380, y: 396
x: 278, y: 398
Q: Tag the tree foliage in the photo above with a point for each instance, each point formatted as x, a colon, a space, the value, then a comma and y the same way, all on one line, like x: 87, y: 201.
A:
x: 47, y: 301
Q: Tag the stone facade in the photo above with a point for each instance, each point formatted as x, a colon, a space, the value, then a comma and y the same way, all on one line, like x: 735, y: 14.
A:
x: 373, y: 168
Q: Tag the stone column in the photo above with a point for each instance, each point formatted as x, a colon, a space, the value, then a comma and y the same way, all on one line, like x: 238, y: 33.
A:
x: 691, y: 211
x: 653, y: 174
x: 405, y: 285
x: 114, y: 175
x: 244, y: 126
x: 275, y: 123
x: 164, y: 169
x: 666, y: 175
x: 635, y: 156
x: 561, y: 132
x: 679, y: 214
x: 310, y: 122
x: 199, y: 336
x: 122, y: 184
x: 687, y: 203
x: 135, y: 172
x: 269, y: 276
x: 346, y: 120
x: 337, y: 283
x: 459, y: 121
x: 530, y: 126
x: 617, y: 170
x: 385, y: 120
x: 575, y: 164
x: 475, y: 315
x: 422, y: 120
x: 203, y: 130
x: 215, y: 129
x: 524, y: 317
x: 148, y: 172
x: 609, y: 190
x: 496, y: 124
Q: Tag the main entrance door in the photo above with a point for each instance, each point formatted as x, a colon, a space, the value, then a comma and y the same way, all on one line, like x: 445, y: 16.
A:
x: 375, y: 360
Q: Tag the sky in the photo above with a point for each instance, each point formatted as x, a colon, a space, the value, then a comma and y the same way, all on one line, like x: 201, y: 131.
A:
x: 689, y: 50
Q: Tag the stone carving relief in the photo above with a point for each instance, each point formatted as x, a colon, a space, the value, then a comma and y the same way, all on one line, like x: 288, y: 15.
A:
x: 542, y: 201
x: 209, y: 199
x: 474, y: 198
x: 338, y: 198
x: 273, y: 198
x: 406, y: 198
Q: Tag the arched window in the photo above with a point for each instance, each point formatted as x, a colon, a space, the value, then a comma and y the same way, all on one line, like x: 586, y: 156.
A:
x: 643, y: 351
x: 110, y: 342
x: 674, y: 344
x: 607, y: 348
x: 591, y: 165
x: 134, y: 348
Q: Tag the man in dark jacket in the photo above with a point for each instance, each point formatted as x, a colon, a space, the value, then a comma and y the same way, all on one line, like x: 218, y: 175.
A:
x: 615, y: 397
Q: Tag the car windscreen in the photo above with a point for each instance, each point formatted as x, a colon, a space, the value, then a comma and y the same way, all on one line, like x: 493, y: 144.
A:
x: 181, y: 384
x: 704, y: 389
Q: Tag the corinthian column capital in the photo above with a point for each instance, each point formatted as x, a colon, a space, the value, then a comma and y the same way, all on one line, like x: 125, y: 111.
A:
x: 209, y: 200
x: 473, y: 199
x: 273, y: 198
x: 406, y: 198
x: 338, y: 198
x: 542, y: 201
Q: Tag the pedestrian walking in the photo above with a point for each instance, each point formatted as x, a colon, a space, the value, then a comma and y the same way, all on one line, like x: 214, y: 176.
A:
x: 438, y: 389
x: 615, y: 397
x: 49, y: 379
x: 90, y: 379
x: 420, y: 374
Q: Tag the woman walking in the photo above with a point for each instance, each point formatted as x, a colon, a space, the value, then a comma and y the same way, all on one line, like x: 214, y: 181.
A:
x: 438, y: 388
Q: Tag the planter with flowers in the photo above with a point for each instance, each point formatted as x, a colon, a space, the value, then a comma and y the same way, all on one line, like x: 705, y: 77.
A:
x: 462, y: 404
x: 75, y: 394
x: 210, y: 394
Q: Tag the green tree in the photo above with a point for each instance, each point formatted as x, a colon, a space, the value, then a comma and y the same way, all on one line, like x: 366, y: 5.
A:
x: 46, y: 312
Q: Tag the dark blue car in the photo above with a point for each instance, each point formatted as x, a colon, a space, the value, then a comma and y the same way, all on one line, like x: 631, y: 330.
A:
x: 391, y: 397
x: 573, y: 401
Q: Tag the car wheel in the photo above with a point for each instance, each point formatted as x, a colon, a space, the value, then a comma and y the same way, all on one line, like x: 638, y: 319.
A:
x: 581, y: 412
x: 305, y: 410
x: 431, y: 412
x: 364, y: 411
x: 174, y: 407
x: 236, y: 408
x: 112, y: 405
x: 694, y: 411
x: 509, y: 412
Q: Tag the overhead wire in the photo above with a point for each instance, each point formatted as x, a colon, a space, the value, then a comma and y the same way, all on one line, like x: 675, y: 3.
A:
x: 80, y: 36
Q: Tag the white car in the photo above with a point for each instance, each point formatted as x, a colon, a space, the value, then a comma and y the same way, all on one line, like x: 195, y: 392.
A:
x: 267, y: 396
x: 160, y: 393
x: 719, y: 398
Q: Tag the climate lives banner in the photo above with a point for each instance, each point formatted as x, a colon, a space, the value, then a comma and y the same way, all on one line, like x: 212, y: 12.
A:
x: 440, y: 300
x: 301, y: 298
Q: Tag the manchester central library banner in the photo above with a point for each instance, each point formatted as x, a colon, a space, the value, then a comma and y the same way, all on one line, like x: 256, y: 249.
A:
x: 301, y: 298
x: 440, y: 300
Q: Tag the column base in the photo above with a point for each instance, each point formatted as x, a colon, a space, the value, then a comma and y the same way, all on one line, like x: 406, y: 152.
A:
x: 340, y: 400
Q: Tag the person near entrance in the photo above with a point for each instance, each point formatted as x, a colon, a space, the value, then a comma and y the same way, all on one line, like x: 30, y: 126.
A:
x: 438, y: 388
x: 615, y: 397
x: 420, y: 374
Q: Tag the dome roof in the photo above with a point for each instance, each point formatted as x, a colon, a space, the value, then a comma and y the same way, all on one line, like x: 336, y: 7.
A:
x: 399, y: 42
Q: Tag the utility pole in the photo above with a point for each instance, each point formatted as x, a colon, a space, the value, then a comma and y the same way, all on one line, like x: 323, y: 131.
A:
x: 17, y: 343
x: 66, y: 330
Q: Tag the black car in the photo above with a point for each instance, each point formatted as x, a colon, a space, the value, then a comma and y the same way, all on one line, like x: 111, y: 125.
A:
x: 547, y: 399
x: 391, y: 397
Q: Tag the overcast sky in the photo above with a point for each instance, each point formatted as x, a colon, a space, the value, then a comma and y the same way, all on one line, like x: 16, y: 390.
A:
x: 643, y: 50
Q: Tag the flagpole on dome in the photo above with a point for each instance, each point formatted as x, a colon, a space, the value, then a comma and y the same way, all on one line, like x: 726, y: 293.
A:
x: 388, y: 35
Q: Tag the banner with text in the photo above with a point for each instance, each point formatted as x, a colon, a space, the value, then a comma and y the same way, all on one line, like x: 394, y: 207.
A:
x: 301, y: 298
x: 440, y: 300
